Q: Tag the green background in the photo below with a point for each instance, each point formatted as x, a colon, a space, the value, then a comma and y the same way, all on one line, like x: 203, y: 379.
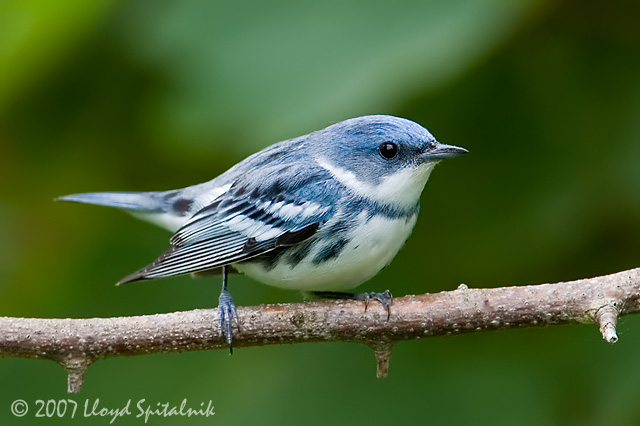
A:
x: 152, y: 95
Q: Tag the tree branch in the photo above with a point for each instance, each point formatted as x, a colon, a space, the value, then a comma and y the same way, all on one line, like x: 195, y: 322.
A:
x: 77, y: 343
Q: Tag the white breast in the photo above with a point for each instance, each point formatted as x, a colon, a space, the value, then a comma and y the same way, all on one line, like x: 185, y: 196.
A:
x: 371, y: 247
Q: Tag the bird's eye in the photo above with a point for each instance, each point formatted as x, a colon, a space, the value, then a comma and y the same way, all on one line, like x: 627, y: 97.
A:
x: 388, y: 150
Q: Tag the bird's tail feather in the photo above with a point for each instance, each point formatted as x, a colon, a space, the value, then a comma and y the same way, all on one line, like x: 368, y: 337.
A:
x: 133, y: 201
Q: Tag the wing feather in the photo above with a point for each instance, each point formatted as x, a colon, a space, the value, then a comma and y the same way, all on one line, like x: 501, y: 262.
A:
x: 245, y: 222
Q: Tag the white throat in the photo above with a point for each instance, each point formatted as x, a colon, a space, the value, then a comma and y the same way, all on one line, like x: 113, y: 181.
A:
x: 403, y: 188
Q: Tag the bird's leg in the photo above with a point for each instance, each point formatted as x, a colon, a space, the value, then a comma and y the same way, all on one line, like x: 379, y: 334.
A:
x: 385, y: 298
x: 226, y: 310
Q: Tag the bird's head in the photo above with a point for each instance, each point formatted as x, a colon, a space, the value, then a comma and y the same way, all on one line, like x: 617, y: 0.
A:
x: 382, y: 157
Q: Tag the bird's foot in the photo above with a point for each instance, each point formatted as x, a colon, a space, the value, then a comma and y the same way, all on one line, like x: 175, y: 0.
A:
x: 384, y: 298
x: 226, y: 315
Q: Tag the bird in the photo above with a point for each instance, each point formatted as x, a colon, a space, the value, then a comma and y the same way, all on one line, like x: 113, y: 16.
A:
x: 322, y: 213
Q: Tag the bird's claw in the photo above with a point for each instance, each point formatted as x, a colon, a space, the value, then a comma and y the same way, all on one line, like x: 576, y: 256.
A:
x: 384, y: 298
x: 226, y: 314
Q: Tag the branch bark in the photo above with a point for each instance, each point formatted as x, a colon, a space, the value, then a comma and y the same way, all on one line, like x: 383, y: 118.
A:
x: 77, y: 343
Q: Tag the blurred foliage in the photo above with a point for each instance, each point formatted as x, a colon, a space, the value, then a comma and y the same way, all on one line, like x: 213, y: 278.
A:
x: 144, y: 95
x: 36, y: 35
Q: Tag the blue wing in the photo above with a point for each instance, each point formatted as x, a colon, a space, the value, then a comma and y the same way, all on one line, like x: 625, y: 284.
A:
x: 253, y: 217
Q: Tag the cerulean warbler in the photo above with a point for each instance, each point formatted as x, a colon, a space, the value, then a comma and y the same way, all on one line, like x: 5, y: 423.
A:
x: 322, y: 212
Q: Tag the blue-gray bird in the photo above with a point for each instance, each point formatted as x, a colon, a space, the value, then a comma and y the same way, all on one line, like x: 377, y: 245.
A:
x: 323, y: 212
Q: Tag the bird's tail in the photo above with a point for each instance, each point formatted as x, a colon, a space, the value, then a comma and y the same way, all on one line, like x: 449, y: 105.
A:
x: 159, y: 208
x: 151, y: 202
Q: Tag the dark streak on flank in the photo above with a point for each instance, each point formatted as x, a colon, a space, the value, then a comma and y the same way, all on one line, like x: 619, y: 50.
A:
x: 330, y: 251
x: 283, y: 245
x: 298, y: 253
x: 290, y: 238
x: 338, y: 228
x: 270, y: 259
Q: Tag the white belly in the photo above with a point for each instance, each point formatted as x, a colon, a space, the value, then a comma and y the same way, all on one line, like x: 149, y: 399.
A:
x: 371, y: 247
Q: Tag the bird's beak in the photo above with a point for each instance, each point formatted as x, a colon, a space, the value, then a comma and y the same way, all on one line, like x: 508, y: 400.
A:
x: 440, y: 151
